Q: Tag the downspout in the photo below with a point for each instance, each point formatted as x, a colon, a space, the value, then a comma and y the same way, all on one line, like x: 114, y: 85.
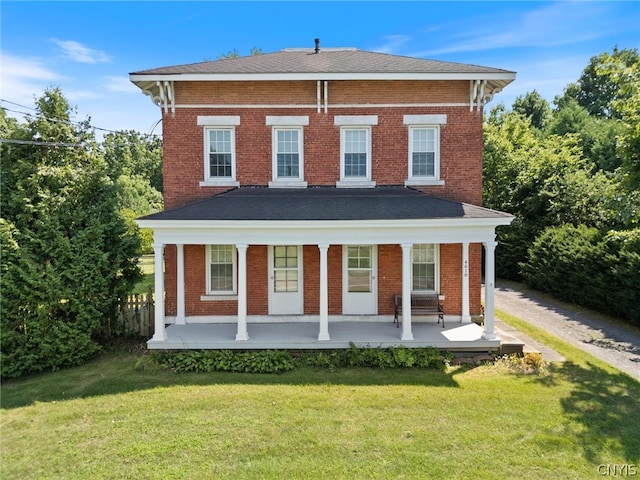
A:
x: 318, y: 95
x: 326, y: 96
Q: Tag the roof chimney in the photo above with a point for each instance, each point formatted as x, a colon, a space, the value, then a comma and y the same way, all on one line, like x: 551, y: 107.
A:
x: 317, y: 40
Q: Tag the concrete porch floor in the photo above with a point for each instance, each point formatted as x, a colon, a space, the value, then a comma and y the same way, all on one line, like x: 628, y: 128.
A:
x: 262, y: 336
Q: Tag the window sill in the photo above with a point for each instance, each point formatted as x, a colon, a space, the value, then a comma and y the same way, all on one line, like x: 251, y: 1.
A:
x: 287, y: 184
x: 218, y: 298
x: 355, y: 184
x: 220, y: 183
x: 417, y: 182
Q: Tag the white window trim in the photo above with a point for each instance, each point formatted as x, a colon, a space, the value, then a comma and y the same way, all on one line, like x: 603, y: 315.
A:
x: 287, y: 182
x: 219, y: 122
x: 436, y: 272
x: 355, y: 182
x: 425, y: 119
x: 355, y: 120
x: 413, y: 180
x: 290, y: 121
x: 221, y: 294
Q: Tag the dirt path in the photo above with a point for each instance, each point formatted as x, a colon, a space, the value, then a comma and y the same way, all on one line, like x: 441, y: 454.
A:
x: 599, y: 335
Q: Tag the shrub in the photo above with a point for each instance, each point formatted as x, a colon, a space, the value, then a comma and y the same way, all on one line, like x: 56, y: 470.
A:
x: 268, y: 361
x: 276, y: 361
x: 530, y: 363
x: 585, y: 266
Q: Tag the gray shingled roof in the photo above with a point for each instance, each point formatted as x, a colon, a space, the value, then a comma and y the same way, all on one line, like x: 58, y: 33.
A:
x: 325, y: 203
x: 343, y: 61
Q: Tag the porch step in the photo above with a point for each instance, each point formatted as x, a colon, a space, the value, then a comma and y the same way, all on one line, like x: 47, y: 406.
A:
x: 510, y: 343
x: 514, y: 341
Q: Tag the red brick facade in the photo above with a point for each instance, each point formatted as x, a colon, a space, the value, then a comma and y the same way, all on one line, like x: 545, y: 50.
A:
x: 460, y: 168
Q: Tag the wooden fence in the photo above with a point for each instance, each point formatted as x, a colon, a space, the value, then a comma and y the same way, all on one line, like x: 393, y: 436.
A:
x: 135, y: 315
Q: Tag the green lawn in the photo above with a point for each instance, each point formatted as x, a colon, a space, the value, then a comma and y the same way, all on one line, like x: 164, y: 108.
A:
x: 108, y: 419
x: 147, y: 266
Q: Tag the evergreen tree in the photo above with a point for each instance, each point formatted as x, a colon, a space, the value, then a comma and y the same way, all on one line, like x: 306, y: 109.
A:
x: 67, y: 255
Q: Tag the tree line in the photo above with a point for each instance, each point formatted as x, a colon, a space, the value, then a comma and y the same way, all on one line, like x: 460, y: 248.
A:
x: 570, y: 173
x: 69, y: 245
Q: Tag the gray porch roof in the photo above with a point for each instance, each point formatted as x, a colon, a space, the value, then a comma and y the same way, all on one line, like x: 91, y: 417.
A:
x: 325, y: 203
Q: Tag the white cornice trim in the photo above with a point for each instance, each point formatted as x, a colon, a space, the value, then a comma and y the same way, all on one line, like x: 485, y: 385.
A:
x: 262, y: 232
x: 504, y: 219
x: 234, y: 77
x: 313, y: 106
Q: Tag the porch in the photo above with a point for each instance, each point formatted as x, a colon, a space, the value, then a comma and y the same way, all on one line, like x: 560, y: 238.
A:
x: 455, y: 336
x: 326, y: 223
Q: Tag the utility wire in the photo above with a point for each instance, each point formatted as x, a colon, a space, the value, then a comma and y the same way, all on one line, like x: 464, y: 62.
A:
x: 39, y: 143
x: 68, y: 122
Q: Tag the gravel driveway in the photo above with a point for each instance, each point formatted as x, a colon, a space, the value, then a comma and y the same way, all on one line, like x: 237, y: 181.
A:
x: 605, y: 338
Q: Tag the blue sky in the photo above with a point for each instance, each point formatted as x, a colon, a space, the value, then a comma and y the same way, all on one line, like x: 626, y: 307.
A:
x: 89, y: 48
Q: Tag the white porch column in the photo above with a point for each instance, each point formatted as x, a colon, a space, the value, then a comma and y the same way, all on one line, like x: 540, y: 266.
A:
x: 159, y: 333
x: 407, y: 334
x: 180, y: 314
x: 489, y: 284
x: 242, y: 334
x: 324, y: 294
x: 466, y: 317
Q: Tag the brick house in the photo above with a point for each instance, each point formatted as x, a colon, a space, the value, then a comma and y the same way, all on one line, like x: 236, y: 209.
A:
x: 305, y: 188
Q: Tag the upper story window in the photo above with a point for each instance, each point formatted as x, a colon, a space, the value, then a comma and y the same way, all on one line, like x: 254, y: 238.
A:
x: 287, y: 155
x: 219, y: 150
x: 424, y: 149
x: 355, y: 150
x: 288, y: 150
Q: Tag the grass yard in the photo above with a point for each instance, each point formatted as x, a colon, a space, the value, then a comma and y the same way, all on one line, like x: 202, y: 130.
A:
x: 108, y: 419
x: 147, y: 266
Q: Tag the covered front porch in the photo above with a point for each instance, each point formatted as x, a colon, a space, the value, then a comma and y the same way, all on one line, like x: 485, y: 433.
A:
x: 321, y: 221
x: 455, y: 336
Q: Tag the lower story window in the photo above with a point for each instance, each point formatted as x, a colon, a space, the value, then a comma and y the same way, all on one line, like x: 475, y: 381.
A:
x: 424, y: 264
x: 222, y: 269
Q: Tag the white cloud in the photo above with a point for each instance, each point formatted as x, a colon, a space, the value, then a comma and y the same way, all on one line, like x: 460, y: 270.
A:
x: 80, y: 53
x: 22, y: 78
x: 393, y: 43
x: 119, y: 85
x: 553, y: 25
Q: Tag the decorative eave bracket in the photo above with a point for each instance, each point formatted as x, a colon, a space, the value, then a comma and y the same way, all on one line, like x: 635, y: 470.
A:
x: 480, y: 94
x: 162, y: 95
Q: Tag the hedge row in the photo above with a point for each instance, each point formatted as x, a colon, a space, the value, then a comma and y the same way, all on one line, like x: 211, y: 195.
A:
x: 276, y: 361
x: 582, y: 265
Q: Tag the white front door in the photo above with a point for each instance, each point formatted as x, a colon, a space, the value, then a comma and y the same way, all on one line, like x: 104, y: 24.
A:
x: 359, y: 284
x: 285, y: 280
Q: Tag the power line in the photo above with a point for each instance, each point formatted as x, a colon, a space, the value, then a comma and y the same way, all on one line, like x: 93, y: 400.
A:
x: 40, y: 143
x: 16, y: 104
x: 68, y: 122
x: 55, y: 120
